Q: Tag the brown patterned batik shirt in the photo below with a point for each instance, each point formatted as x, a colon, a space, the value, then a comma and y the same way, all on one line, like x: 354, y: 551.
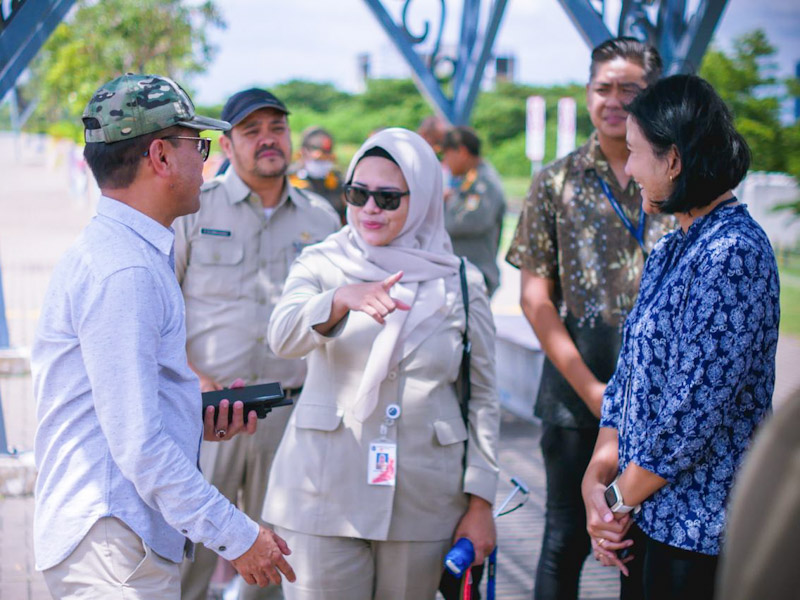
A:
x: 569, y: 232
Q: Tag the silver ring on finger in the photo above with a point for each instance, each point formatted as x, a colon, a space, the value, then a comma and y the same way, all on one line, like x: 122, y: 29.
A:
x: 220, y: 433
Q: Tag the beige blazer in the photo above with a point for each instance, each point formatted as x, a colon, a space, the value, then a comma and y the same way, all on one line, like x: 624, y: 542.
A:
x: 762, y: 542
x: 318, y: 484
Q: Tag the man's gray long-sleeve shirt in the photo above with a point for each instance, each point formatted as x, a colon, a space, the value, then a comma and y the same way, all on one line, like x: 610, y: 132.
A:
x: 119, y: 409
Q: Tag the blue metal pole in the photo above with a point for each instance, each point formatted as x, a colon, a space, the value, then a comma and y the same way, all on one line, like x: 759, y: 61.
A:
x: 469, y: 27
x: 797, y: 99
x: 3, y: 441
x: 587, y: 21
x: 689, y: 51
x: 671, y: 26
x: 4, y: 341
x: 465, y: 97
x: 426, y: 82
x: 26, y: 31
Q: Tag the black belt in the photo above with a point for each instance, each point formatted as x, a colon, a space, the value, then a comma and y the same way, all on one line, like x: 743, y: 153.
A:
x: 292, y: 392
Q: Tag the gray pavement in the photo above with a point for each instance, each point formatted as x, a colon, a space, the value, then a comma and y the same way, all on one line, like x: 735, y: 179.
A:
x: 40, y: 219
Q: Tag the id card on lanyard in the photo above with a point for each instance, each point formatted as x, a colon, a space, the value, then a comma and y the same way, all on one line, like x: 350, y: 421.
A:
x: 638, y: 232
x: 382, y: 454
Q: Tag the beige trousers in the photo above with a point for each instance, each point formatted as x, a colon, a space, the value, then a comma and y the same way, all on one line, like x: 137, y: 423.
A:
x: 238, y: 468
x: 339, y: 568
x: 112, y: 562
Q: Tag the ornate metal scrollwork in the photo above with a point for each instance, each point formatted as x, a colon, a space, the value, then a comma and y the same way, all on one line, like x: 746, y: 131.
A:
x: 633, y: 21
x: 450, y: 83
x: 435, y: 60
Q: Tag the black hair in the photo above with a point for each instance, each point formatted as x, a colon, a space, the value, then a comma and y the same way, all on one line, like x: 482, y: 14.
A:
x: 315, y: 132
x: 374, y: 151
x: 379, y: 152
x: 631, y: 49
x: 462, y: 136
x: 115, y: 165
x: 430, y: 124
x: 684, y: 112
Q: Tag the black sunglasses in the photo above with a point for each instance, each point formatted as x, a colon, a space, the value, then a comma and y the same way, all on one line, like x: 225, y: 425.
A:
x: 203, y: 144
x: 384, y: 199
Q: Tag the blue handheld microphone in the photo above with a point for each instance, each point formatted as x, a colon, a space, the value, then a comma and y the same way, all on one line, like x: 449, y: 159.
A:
x: 460, y: 557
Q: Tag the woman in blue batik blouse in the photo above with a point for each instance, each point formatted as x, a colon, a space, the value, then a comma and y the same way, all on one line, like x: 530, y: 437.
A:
x: 697, y: 366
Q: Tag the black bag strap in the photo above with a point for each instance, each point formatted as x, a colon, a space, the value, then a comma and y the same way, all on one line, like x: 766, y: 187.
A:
x: 466, y: 385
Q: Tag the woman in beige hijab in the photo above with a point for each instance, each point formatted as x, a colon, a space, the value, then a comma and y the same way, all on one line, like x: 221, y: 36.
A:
x: 370, y: 485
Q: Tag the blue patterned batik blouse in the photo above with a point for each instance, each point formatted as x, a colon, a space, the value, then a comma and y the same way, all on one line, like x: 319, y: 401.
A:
x: 696, y: 371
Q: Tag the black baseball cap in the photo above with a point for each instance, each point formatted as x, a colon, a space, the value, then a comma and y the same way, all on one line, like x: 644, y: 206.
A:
x: 243, y: 103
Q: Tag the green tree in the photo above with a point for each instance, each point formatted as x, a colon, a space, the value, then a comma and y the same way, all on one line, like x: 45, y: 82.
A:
x: 745, y: 79
x: 319, y: 97
x: 791, y: 136
x: 106, y: 38
x: 499, y: 118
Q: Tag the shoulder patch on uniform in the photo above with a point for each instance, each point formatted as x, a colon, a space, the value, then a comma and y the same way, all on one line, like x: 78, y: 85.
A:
x: 472, y: 202
x: 295, y: 181
x: 331, y: 181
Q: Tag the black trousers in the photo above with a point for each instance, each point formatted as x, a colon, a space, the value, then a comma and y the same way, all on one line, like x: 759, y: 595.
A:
x: 566, y: 543
x: 669, y: 573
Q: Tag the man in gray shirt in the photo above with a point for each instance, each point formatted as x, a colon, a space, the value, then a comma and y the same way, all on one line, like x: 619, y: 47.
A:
x: 119, y: 495
x: 473, y: 211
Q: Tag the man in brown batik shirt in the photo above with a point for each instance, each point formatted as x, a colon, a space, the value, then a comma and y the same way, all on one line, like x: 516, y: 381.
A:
x: 580, y: 245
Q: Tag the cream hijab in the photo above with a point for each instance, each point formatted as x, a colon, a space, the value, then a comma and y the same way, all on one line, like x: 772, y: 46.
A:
x: 422, y: 250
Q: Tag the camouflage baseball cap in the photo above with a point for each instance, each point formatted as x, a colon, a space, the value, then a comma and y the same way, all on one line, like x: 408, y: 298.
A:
x: 134, y: 105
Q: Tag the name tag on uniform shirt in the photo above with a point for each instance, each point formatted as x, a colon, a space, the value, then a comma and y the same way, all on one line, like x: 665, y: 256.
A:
x: 217, y: 232
x: 382, y: 463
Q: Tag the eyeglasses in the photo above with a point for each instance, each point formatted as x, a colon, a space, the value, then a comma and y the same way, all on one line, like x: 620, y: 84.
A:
x: 384, y: 199
x: 203, y: 144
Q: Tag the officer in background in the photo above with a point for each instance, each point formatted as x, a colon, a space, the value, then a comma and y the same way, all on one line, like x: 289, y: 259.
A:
x: 433, y: 129
x: 316, y: 169
x: 231, y: 259
x: 473, y: 211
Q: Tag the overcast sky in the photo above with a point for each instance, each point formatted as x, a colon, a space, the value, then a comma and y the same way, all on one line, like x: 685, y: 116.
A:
x: 271, y: 41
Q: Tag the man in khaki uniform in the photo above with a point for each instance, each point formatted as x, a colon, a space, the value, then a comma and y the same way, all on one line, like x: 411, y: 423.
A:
x: 231, y: 259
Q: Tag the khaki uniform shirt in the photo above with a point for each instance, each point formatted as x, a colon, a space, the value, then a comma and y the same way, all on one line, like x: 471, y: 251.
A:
x: 318, y: 483
x: 232, y: 261
x: 569, y: 232
x: 473, y: 216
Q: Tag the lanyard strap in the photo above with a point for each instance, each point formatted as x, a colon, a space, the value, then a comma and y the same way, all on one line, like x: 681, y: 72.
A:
x: 638, y: 233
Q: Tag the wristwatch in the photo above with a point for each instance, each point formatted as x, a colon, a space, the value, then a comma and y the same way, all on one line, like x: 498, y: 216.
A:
x: 615, y: 502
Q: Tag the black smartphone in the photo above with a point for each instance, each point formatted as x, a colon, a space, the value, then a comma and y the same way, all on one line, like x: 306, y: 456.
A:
x: 261, y: 398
